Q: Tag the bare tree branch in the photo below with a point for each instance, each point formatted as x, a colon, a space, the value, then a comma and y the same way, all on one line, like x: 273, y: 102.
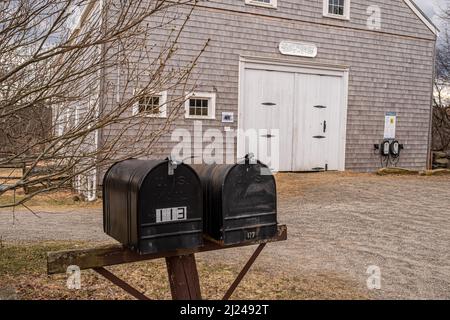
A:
x: 441, y: 101
x: 70, y: 85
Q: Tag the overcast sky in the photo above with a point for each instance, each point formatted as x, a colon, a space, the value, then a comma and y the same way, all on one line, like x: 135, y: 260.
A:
x: 431, y: 7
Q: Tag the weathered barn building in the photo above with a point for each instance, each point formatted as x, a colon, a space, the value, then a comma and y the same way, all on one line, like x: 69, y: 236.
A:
x: 326, y: 73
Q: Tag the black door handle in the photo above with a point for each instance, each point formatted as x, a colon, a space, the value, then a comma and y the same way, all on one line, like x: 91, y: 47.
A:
x: 324, y: 126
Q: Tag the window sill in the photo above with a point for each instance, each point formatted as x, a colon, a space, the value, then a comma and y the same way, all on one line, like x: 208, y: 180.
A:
x: 259, y: 4
x: 155, y: 116
x: 199, y: 118
x: 336, y: 16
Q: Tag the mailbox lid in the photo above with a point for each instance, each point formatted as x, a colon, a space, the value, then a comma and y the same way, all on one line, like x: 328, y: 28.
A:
x: 170, y: 210
x: 240, y: 202
x: 249, y: 203
x: 121, y: 185
x: 136, y: 191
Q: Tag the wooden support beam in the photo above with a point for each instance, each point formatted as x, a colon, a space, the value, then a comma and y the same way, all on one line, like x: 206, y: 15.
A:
x: 183, y: 278
x: 121, y: 284
x: 244, y: 271
x: 58, y: 262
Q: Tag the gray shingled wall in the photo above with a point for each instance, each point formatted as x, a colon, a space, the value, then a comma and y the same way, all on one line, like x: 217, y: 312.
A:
x: 390, y: 69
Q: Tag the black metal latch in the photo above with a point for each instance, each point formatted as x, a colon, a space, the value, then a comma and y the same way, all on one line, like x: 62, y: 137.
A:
x: 268, y: 136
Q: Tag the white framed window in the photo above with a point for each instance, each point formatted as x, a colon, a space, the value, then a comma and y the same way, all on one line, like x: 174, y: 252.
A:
x: 153, y: 106
x: 263, y: 3
x: 200, y: 105
x: 338, y: 9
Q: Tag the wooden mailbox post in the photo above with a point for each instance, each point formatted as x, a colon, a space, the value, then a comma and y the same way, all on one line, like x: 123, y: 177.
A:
x: 181, y: 265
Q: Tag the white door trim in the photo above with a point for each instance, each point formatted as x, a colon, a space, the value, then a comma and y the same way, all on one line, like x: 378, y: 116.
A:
x: 305, y: 68
x: 343, y: 129
x: 289, y: 63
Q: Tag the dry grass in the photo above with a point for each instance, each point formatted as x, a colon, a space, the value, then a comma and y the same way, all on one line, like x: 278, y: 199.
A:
x: 8, y: 173
x: 287, y: 185
x: 60, y: 200
x: 437, y: 172
x: 296, y: 184
x: 22, y: 269
x: 57, y: 200
x: 397, y: 171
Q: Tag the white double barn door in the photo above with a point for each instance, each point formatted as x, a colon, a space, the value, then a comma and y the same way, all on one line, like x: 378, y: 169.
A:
x: 298, y: 118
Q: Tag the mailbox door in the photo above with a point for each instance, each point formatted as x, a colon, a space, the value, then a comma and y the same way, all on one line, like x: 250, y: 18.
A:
x: 249, y: 204
x: 170, y: 210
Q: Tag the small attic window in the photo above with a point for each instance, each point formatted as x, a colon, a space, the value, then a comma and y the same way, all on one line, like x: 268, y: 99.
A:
x: 338, y: 9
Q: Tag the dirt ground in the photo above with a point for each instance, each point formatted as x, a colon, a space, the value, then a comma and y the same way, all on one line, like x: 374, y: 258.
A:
x: 339, y: 225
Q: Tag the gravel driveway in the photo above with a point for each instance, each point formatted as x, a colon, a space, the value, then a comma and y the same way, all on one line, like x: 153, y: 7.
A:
x: 338, y: 224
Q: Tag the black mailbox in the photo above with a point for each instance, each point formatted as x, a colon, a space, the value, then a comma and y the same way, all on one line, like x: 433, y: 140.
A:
x: 153, y: 206
x: 240, y: 202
